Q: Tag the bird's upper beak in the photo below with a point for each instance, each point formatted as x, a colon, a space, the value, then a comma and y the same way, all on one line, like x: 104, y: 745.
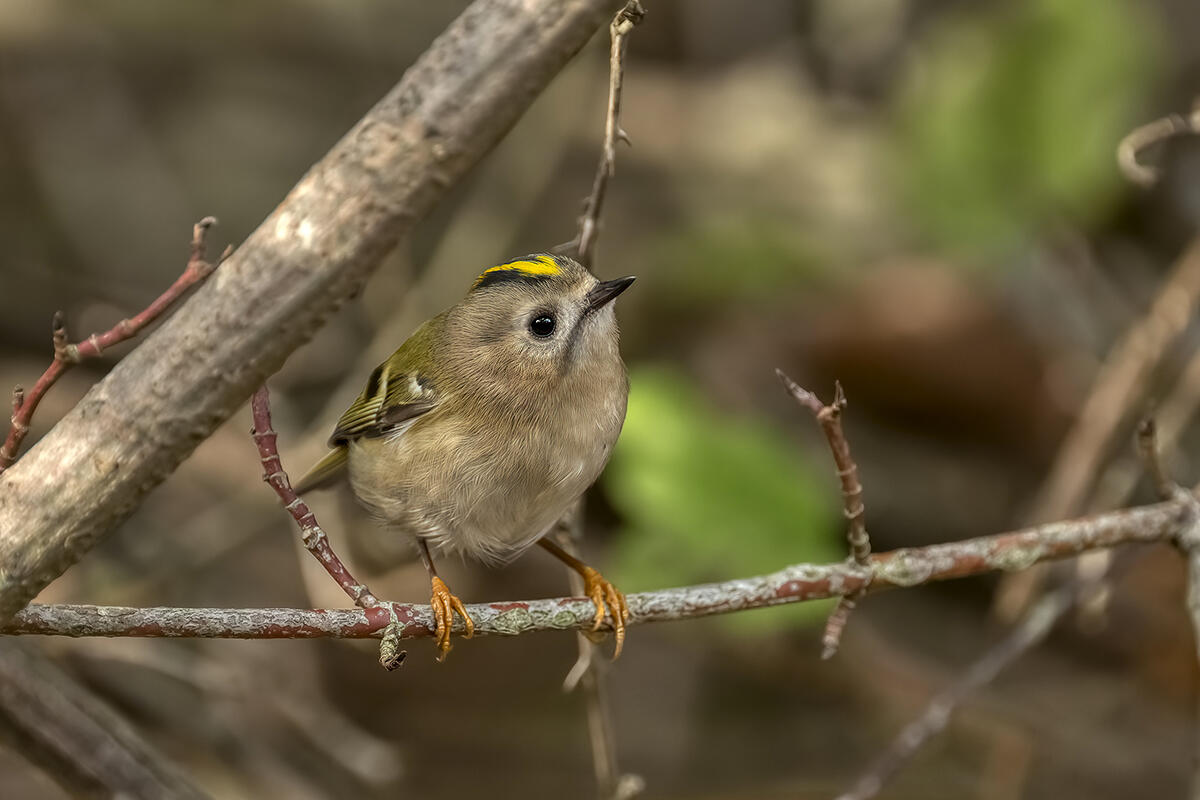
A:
x: 605, y: 292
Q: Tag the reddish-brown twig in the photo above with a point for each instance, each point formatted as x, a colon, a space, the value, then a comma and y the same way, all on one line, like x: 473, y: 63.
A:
x: 829, y: 417
x: 311, y: 533
x: 67, y: 355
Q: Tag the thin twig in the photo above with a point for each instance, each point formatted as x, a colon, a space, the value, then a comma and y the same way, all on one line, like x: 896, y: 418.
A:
x: 1188, y: 542
x: 589, y: 675
x: 589, y: 223
x: 311, y: 533
x: 1161, y: 522
x: 1148, y: 451
x: 829, y: 417
x: 67, y: 355
x: 1145, y: 136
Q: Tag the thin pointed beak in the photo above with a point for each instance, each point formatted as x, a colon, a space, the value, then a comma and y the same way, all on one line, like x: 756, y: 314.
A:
x: 605, y: 292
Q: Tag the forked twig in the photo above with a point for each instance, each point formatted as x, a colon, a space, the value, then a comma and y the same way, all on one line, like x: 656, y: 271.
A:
x: 829, y: 417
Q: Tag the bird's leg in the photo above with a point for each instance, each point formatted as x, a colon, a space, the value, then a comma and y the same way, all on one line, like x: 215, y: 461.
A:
x: 444, y: 605
x: 603, y: 594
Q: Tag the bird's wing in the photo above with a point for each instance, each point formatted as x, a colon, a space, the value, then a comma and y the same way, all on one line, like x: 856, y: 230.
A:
x: 393, y: 398
x: 396, y: 395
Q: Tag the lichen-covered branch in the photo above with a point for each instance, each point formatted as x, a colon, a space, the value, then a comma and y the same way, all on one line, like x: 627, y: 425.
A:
x: 312, y: 253
x: 899, y: 568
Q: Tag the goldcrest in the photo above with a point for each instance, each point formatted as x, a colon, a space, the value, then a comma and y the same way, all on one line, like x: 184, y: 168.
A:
x: 489, y: 422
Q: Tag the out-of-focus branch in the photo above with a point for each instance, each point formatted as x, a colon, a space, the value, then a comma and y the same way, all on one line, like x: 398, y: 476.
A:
x: 1141, y: 138
x: 312, y: 253
x: 589, y: 224
x: 829, y: 418
x: 67, y: 355
x: 1032, y: 629
x: 909, y: 567
x: 1113, y: 399
x: 933, y: 720
x: 79, y: 741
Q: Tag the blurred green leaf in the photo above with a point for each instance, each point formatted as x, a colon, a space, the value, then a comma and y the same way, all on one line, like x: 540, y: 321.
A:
x: 1012, y: 116
x: 707, y: 497
x: 743, y: 257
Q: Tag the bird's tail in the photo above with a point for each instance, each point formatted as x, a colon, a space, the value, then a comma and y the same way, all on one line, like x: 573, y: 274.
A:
x: 324, y: 472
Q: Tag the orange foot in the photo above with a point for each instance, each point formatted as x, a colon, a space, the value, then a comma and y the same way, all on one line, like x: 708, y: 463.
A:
x: 608, y: 600
x: 444, y: 605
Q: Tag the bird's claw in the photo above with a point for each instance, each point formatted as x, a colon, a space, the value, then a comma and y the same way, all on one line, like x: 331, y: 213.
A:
x: 445, y: 605
x: 608, y: 601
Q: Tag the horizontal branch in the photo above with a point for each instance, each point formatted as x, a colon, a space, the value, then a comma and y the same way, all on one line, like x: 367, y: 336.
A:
x: 898, y: 568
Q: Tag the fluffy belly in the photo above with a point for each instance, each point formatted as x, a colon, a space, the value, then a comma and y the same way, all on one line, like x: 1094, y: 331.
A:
x: 491, y: 507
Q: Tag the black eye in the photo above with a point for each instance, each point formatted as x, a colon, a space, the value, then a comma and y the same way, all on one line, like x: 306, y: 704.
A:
x: 542, y: 325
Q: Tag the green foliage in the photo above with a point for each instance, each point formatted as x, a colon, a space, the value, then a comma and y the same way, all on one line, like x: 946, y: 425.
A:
x: 1013, y: 117
x: 707, y: 497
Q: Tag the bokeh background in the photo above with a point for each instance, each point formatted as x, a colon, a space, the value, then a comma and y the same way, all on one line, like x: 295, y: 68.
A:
x: 919, y: 198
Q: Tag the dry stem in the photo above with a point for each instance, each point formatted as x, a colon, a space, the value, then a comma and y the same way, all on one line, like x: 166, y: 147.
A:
x: 829, y: 417
x: 589, y: 224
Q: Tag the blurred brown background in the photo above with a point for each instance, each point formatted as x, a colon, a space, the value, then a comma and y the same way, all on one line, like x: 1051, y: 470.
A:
x: 917, y: 197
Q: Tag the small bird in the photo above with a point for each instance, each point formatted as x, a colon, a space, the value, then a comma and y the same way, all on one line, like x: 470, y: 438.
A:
x: 489, y: 422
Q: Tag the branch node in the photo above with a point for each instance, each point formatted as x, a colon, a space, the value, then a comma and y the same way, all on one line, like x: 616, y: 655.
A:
x: 63, y: 350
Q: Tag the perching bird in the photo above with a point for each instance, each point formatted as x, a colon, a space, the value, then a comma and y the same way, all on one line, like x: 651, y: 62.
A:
x: 489, y: 422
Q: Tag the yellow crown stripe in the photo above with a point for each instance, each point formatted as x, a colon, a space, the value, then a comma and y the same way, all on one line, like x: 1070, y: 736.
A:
x: 537, y: 266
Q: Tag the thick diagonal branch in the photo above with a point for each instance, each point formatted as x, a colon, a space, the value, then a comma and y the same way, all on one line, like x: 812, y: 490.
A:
x: 312, y: 253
